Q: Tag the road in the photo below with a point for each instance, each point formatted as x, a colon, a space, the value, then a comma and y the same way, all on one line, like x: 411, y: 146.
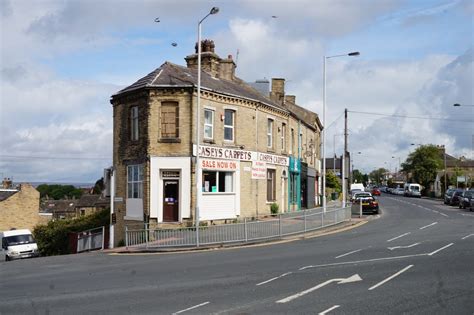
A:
x: 417, y: 258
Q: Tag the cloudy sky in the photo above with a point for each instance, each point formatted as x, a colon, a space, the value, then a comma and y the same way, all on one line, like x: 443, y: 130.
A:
x: 62, y: 60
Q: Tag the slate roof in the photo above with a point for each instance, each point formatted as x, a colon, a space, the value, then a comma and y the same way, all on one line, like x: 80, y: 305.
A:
x: 55, y: 206
x: 89, y: 201
x: 5, y: 194
x: 172, y: 75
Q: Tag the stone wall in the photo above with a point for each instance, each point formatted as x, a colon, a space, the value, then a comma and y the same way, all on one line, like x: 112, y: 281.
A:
x: 21, y: 210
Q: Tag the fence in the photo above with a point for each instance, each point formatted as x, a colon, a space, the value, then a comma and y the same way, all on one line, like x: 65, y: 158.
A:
x: 91, y: 240
x: 243, y: 232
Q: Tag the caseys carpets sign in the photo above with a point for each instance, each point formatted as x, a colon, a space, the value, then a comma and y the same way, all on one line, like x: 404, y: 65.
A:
x: 241, y: 155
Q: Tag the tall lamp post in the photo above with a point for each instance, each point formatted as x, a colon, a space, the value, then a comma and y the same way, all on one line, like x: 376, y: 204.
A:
x: 325, y: 58
x: 214, y: 10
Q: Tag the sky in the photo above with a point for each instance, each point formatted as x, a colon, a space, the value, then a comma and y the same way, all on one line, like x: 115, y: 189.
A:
x: 62, y: 60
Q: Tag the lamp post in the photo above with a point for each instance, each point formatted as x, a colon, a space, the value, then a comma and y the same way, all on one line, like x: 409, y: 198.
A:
x: 396, y: 171
x: 356, y: 53
x: 214, y: 10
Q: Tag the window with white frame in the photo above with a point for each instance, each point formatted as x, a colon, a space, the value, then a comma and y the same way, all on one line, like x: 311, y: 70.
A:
x: 229, y: 121
x: 208, y: 124
x: 270, y: 133
x: 217, y: 181
x: 271, y: 185
x: 134, y: 123
x: 283, y: 137
x: 135, y: 181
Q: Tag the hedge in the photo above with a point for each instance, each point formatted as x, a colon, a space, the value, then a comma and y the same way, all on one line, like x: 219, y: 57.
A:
x: 52, y: 239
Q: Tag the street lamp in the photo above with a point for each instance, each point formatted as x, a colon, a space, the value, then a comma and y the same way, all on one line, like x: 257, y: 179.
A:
x: 355, y: 53
x: 214, y: 10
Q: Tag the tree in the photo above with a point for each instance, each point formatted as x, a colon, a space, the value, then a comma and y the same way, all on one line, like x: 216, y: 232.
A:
x: 357, y: 176
x: 57, y: 192
x: 378, y: 175
x: 423, y: 164
x: 99, y: 186
x: 332, y: 181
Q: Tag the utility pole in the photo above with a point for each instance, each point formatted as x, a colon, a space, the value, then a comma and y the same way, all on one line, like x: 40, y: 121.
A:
x: 344, y: 185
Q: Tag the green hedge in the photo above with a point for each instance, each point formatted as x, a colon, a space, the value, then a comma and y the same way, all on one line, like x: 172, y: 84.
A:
x: 52, y: 239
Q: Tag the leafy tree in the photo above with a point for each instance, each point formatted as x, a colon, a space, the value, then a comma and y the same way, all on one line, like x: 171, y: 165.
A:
x: 377, y: 175
x: 99, y: 186
x: 57, y: 192
x: 357, y: 176
x: 423, y: 164
x: 332, y: 182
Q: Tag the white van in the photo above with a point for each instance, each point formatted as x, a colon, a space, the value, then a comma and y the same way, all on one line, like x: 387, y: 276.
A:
x: 412, y: 190
x: 17, y: 244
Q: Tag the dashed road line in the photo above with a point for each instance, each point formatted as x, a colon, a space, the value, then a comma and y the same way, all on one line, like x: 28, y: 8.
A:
x: 392, y: 239
x: 467, y: 236
x: 407, y: 246
x: 191, y: 308
x: 354, y: 251
x: 390, y: 278
x: 438, y: 250
x: 275, y: 278
x: 329, y: 309
x: 427, y: 226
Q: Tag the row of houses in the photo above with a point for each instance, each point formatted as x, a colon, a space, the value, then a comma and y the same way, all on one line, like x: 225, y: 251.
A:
x: 258, y: 146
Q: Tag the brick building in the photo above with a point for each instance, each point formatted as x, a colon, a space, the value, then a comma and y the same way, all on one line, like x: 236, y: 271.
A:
x: 255, y: 149
x: 19, y: 207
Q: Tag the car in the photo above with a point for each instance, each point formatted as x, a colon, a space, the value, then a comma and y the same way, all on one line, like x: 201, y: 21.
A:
x: 471, y: 206
x: 399, y: 191
x: 466, y: 197
x: 369, y: 203
x: 456, y: 197
x: 360, y: 194
x: 18, y: 244
x: 447, y: 195
x: 376, y: 192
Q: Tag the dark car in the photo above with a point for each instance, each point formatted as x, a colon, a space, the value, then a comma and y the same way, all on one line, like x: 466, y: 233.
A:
x: 466, y: 197
x: 456, y: 197
x: 447, y: 196
x: 369, y: 203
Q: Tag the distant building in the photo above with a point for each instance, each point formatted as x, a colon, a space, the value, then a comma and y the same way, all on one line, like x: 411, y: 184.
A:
x: 19, y: 207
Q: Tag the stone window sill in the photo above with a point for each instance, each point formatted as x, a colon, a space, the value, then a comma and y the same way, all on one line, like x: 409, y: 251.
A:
x: 169, y: 140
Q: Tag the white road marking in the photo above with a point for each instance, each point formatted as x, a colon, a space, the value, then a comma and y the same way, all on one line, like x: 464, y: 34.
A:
x: 191, y: 308
x: 272, y: 279
x: 438, y: 250
x: 354, y: 251
x: 426, y: 226
x: 362, y: 261
x: 466, y: 214
x: 467, y: 236
x: 353, y: 278
x: 390, y: 278
x: 443, y: 214
x: 392, y: 239
x: 329, y: 309
x: 408, y: 246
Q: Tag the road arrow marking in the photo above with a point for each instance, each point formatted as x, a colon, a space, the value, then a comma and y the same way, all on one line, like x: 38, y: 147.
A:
x: 408, y: 246
x: 353, y: 278
x: 391, y: 277
x: 438, y: 250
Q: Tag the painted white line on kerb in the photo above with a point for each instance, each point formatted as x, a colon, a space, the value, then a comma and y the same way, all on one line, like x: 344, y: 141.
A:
x: 392, y: 239
x: 191, y: 308
x: 272, y: 279
x: 329, y: 309
x: 391, y: 277
x: 426, y: 226
x: 467, y: 236
x: 438, y: 250
x: 354, y: 251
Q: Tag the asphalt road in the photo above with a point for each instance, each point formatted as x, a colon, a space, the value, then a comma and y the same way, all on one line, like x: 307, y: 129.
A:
x: 418, y: 258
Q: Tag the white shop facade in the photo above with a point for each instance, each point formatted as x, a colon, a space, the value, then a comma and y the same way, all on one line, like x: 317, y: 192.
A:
x: 223, y: 170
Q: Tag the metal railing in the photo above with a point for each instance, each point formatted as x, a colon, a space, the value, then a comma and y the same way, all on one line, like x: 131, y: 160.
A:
x: 273, y: 227
x: 91, y: 239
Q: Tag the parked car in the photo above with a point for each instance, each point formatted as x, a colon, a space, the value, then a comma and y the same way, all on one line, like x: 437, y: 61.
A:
x: 369, y: 203
x: 376, y: 192
x: 360, y: 194
x: 447, y: 195
x: 456, y: 197
x: 465, y: 199
x: 399, y: 191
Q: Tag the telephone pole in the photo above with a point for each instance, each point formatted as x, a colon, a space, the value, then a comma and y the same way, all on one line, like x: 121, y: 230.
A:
x: 344, y: 185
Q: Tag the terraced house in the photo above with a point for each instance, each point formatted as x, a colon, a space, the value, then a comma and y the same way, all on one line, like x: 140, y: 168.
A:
x: 255, y: 148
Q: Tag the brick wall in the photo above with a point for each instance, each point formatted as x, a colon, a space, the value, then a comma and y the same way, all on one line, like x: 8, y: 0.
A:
x: 21, y: 210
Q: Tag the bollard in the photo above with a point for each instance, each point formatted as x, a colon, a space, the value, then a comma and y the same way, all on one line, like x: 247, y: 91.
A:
x: 126, y: 237
x: 279, y: 224
x: 245, y: 230
x: 360, y: 208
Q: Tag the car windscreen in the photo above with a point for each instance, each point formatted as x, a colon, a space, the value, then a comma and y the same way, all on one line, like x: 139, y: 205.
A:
x: 19, y: 239
x: 415, y: 188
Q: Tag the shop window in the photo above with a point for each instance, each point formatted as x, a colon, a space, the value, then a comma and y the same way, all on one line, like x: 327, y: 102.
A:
x: 135, y: 181
x: 229, y: 118
x: 208, y: 124
x: 215, y: 181
x: 134, y: 123
x: 169, y: 120
x: 270, y: 133
x: 271, y: 185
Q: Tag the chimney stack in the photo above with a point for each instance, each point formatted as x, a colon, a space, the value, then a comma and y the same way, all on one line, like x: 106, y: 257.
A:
x: 209, y: 59
x: 7, y: 183
x: 227, y: 68
x: 277, y: 94
x: 290, y: 99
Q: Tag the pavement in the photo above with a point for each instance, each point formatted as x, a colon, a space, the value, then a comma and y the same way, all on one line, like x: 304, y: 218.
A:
x: 355, y: 222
